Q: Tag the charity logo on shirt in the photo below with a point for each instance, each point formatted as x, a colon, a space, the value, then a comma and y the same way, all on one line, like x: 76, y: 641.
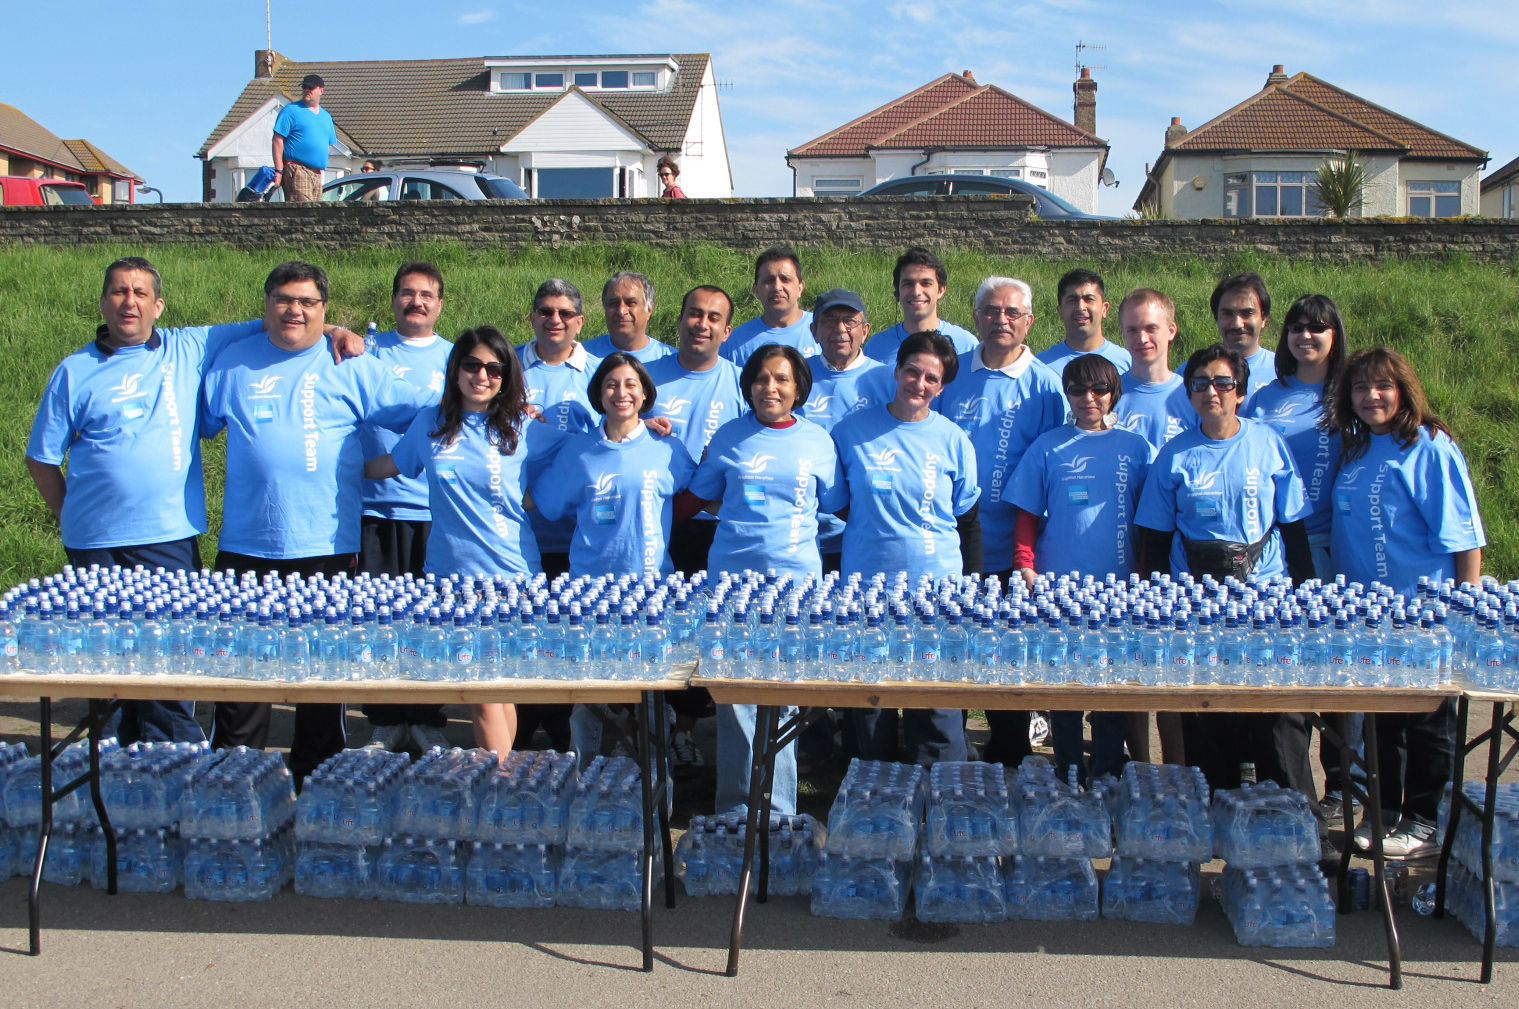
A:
x: 674, y: 407
x: 756, y: 463
x: 127, y: 388
x: 401, y: 370
x: 264, y: 387
x: 968, y: 412
x: 1078, y: 464
x: 604, y: 499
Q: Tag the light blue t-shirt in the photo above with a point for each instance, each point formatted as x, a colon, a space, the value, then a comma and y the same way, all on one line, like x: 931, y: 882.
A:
x: 835, y: 395
x: 754, y: 334
x: 696, y: 403
x: 619, y: 495
x: 1293, y: 411
x: 1232, y: 489
x: 602, y: 347
x: 1058, y: 356
x: 562, y: 392
x: 1002, y: 415
x: 479, y: 525
x: 1262, y: 372
x: 907, y: 482
x: 771, y: 484
x: 1401, y: 513
x: 129, y: 424
x: 1084, y: 486
x: 883, y: 345
x: 307, y: 132
x: 1156, y: 411
x: 403, y: 498
x: 295, y: 460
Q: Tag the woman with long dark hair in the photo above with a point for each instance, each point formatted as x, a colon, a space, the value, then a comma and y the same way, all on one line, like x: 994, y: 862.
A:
x: 479, y: 451
x: 1403, y: 508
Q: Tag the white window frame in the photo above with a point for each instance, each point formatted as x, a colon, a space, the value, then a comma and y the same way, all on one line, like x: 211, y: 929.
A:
x: 837, y: 186
x: 1304, y: 183
x: 1429, y: 189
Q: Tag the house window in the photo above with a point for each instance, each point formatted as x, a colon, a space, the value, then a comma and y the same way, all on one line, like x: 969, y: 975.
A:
x: 643, y: 78
x: 1285, y: 194
x: 967, y: 171
x: 1035, y: 173
x: 1007, y: 173
x: 835, y: 187
x: 1508, y: 202
x: 1434, y: 199
x: 575, y: 183
x: 516, y: 82
x: 121, y: 191
x: 614, y: 78
x: 585, y: 79
x: 1237, y: 195
x: 548, y: 80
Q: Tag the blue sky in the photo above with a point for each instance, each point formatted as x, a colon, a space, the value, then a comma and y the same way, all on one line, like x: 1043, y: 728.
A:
x: 148, y: 80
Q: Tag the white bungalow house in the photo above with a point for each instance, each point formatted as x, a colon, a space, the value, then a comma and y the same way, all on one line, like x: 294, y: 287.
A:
x: 559, y: 126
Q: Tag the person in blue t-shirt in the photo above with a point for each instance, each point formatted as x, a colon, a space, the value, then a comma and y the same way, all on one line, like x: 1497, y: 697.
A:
x: 770, y: 473
x: 1075, y: 490
x: 919, y: 281
x: 778, y: 288
x: 627, y: 299
x: 1403, y: 508
x: 122, y: 412
x: 303, y: 132
x: 479, y: 452
x: 1225, y: 498
x: 1082, y: 302
x: 1241, y: 306
x: 1308, y: 361
x: 911, y: 477
x: 1155, y: 404
x: 294, y: 467
x: 393, y: 531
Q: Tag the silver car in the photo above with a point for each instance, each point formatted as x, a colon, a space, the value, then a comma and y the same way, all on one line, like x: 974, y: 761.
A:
x: 421, y: 184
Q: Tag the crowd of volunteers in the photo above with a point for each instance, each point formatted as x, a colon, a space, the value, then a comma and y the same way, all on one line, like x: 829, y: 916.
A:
x: 801, y: 441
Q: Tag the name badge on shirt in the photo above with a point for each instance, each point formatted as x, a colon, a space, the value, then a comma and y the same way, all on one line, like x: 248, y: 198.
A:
x: 1206, y: 509
x: 133, y: 413
x: 880, y: 483
x: 1077, y: 494
x: 1342, y: 502
x: 263, y: 413
x: 446, y: 474
x: 754, y: 493
x: 604, y: 512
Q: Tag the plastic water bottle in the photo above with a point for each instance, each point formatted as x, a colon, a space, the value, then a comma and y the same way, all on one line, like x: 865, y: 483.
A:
x: 371, y: 339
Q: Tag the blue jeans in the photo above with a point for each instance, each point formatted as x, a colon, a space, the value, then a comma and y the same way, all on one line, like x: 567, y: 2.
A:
x: 1108, y: 755
x: 735, y: 754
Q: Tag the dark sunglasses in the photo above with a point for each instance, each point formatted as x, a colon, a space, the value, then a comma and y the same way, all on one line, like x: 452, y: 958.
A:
x: 473, y: 366
x: 1223, y: 383
x: 1100, y: 388
x: 563, y: 313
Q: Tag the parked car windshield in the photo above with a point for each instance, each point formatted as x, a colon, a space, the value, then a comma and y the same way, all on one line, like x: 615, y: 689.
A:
x: 500, y: 189
x: 55, y: 195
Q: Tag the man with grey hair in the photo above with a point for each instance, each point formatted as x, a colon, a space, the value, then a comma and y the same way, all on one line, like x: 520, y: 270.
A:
x: 627, y: 298
x: 1004, y: 398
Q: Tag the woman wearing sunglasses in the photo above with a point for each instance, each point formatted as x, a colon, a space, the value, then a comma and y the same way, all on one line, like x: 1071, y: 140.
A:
x: 479, y: 451
x: 1225, y: 498
x: 1403, y: 508
x: 1075, y: 490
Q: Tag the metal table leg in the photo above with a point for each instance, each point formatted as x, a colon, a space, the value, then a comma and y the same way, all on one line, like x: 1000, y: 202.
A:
x: 1379, y: 859
x: 44, y: 827
x: 656, y: 813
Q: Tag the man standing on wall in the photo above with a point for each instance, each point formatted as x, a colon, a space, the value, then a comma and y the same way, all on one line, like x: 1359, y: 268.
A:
x: 303, y: 132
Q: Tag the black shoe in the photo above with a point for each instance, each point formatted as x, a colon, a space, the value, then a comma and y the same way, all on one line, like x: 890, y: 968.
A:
x: 1329, y: 858
x: 1334, y: 811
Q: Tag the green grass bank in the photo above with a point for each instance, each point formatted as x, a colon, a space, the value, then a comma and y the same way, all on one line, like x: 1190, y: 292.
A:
x: 1458, y: 321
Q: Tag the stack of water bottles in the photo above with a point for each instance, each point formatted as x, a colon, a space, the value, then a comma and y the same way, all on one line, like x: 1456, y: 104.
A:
x: 1164, y: 834
x: 1485, y: 628
x: 75, y: 824
x: 237, y: 818
x: 709, y: 858
x: 13, y: 859
x: 1274, y: 893
x: 865, y: 869
x: 345, y: 813
x: 602, y: 865
x: 969, y: 830
x: 1463, y: 879
x: 1061, y: 828
x: 423, y: 859
x: 143, y: 786
x: 451, y: 628
x: 521, y: 825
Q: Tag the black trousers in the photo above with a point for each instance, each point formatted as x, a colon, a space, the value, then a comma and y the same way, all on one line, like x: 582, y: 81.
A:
x: 1417, y: 755
x: 396, y: 547
x: 319, y: 730
x: 931, y: 734
x: 1275, y: 742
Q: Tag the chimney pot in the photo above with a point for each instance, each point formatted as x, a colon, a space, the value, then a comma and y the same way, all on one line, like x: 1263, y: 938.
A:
x: 1176, y: 120
x: 1175, y: 132
x: 1086, y: 72
x: 263, y: 64
x: 969, y: 75
x: 1278, y: 75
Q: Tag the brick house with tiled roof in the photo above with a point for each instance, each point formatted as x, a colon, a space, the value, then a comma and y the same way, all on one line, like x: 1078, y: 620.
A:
x: 559, y: 126
x: 1500, y: 191
x: 1258, y: 158
x: 955, y: 125
x: 30, y: 149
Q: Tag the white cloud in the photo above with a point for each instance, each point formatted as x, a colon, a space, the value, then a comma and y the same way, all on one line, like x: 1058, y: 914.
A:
x: 476, y: 18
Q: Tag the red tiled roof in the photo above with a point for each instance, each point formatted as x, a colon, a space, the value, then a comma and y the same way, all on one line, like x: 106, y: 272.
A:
x: 1276, y: 119
x: 24, y: 135
x: 1422, y: 141
x: 946, y: 112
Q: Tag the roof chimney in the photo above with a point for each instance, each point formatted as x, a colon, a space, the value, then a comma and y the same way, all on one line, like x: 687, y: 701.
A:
x: 1086, y: 101
x: 1175, y: 132
x: 1277, y: 76
x: 969, y: 75
x: 263, y: 64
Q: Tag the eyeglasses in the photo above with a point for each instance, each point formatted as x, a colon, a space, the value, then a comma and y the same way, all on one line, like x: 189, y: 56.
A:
x: 280, y: 301
x: 666, y: 175
x: 1309, y: 327
x: 473, y: 366
x: 1096, y: 388
x: 847, y: 325
x: 1223, y: 383
x: 563, y: 313
x: 1014, y: 314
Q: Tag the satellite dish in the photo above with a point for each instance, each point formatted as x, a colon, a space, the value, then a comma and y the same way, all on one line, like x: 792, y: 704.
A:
x: 1108, y: 178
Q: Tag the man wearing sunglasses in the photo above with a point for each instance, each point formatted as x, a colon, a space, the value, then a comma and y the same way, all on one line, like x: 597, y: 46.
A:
x: 295, y: 465
x: 396, y: 518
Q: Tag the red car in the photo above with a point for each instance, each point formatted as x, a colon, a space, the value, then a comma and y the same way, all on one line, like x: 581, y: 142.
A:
x: 20, y: 191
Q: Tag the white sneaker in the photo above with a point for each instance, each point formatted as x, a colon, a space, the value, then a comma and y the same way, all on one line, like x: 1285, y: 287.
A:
x: 1411, y: 839
x: 426, y: 737
x: 1363, y: 836
x: 1038, y: 728
x: 387, y: 737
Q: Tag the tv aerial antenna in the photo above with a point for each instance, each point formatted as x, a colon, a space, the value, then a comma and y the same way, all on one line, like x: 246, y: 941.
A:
x: 1082, y: 47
